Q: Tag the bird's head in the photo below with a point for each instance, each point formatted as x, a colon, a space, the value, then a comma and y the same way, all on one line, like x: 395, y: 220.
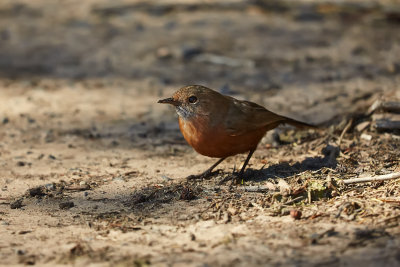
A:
x: 193, y: 100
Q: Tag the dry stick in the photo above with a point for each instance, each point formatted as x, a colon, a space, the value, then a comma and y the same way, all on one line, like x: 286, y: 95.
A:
x: 391, y: 106
x: 256, y: 189
x: 294, y: 200
x: 387, y: 124
x: 346, y: 128
x: 391, y: 176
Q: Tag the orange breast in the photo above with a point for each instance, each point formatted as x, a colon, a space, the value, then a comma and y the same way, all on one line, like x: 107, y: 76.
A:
x: 215, y: 141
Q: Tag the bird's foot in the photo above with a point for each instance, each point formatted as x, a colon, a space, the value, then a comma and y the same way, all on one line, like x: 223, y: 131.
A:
x: 204, y: 175
x: 233, y: 179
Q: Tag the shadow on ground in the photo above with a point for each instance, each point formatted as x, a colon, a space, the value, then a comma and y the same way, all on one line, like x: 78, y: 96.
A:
x: 284, y: 170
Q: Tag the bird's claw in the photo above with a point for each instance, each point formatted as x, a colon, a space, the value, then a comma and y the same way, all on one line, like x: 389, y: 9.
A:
x: 233, y: 179
x: 204, y: 175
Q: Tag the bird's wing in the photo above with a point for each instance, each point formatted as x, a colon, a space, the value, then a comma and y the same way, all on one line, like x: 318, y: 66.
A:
x: 244, y: 116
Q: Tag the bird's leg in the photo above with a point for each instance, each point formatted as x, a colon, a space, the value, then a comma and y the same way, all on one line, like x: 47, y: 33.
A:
x: 236, y: 177
x: 246, y: 162
x: 207, y: 172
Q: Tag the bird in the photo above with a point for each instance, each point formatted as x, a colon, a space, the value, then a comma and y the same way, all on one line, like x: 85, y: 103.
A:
x: 220, y: 126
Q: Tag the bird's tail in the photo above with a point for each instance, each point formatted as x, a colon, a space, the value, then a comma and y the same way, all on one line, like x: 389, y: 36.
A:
x: 299, y: 124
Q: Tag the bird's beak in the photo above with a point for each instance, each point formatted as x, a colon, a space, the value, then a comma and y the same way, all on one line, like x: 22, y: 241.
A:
x: 170, y: 100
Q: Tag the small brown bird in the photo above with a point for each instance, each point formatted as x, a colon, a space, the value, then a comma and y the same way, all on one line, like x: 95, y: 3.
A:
x: 220, y: 126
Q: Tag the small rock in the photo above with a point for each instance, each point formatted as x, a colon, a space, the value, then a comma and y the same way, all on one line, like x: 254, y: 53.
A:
x: 49, y: 186
x: 21, y: 164
x: 16, y: 204
x: 37, y: 191
x: 295, y: 214
x: 192, y: 237
x: 6, y: 120
x: 21, y: 252
x: 366, y: 137
x: 164, y: 53
x: 52, y: 157
x: 66, y: 205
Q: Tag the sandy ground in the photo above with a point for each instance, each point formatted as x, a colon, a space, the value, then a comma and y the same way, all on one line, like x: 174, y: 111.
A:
x: 92, y: 169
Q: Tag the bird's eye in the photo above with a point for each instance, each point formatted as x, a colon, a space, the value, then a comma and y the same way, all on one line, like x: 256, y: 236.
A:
x: 192, y: 99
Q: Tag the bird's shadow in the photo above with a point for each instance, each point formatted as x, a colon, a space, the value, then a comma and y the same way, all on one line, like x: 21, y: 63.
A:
x: 284, y: 170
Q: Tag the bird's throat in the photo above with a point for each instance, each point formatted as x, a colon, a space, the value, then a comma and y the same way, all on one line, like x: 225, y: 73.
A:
x: 184, y: 113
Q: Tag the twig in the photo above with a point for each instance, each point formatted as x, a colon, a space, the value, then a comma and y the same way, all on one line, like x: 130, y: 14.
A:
x: 294, y: 200
x: 346, y: 128
x: 387, y: 124
x: 391, y: 176
x: 391, y: 106
x: 390, y: 201
x: 257, y: 189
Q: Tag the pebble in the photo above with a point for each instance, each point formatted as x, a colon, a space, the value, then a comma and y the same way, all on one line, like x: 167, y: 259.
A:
x: 164, y: 53
x: 20, y: 164
x: 50, y: 186
x: 16, y: 204
x: 21, y: 252
x: 366, y: 137
x: 37, y: 191
x: 295, y: 214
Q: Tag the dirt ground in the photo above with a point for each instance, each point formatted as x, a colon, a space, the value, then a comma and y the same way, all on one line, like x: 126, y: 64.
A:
x: 93, y: 171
